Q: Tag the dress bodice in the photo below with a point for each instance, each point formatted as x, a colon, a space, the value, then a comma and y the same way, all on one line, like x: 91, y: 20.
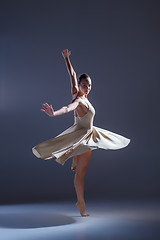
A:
x: 87, y: 120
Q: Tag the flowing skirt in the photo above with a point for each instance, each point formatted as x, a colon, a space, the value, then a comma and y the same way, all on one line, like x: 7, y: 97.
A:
x: 75, y: 141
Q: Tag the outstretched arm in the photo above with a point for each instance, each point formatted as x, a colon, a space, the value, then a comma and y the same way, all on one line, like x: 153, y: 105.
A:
x: 48, y: 109
x: 72, y: 73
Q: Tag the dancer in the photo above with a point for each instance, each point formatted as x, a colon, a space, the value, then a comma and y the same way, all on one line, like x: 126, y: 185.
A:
x: 82, y: 137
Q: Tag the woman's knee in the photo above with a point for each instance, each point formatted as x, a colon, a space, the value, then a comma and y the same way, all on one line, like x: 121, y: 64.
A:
x: 81, y: 171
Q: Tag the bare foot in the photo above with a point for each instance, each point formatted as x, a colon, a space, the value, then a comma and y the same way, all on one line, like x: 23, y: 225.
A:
x: 82, y: 209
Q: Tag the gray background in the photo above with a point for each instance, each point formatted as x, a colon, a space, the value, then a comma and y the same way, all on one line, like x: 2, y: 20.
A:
x: 117, y: 44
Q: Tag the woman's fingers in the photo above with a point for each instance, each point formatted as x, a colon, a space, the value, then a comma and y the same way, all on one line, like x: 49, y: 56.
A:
x: 44, y: 111
x: 47, y: 104
x: 66, y: 52
x: 45, y: 107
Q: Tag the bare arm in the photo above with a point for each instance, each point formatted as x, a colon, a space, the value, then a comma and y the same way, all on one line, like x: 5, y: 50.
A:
x: 50, y: 112
x: 72, y: 73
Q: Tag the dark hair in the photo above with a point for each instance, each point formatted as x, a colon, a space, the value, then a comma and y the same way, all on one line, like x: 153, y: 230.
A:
x: 83, y: 76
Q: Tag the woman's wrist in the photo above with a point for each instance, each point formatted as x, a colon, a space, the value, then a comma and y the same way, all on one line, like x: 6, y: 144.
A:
x: 66, y: 57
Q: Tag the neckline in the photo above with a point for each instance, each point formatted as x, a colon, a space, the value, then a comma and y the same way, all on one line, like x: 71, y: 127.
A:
x: 86, y: 113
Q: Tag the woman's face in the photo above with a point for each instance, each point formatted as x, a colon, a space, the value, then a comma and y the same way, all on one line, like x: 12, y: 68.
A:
x: 85, y: 85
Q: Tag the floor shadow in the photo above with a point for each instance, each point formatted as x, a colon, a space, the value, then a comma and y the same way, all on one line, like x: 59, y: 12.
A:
x: 34, y: 220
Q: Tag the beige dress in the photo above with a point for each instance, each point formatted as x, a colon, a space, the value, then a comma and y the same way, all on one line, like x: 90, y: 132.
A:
x: 81, y: 137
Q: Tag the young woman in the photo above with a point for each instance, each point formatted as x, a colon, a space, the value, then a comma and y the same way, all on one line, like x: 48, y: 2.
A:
x: 82, y: 137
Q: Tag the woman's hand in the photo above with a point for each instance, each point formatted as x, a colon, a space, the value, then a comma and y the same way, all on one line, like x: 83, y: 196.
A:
x: 66, y: 53
x: 48, y: 109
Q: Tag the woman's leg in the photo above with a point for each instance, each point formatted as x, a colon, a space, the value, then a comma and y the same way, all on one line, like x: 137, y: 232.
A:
x: 82, y: 162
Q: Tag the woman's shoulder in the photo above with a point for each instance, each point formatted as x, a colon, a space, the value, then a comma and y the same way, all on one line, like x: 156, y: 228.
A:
x: 79, y: 100
x: 75, y: 97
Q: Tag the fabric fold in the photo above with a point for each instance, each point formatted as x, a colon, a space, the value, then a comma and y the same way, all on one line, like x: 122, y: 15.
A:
x: 81, y: 137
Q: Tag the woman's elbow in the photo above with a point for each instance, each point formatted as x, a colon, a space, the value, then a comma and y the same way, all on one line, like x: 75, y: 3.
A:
x: 73, y: 73
x: 67, y: 109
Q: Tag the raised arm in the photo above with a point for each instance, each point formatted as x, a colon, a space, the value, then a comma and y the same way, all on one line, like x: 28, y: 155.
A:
x: 72, y: 73
x: 48, y: 109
